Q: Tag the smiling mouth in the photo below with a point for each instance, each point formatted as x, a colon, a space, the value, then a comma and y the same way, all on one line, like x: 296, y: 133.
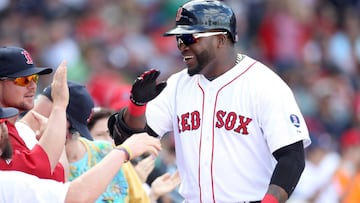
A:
x: 188, y: 58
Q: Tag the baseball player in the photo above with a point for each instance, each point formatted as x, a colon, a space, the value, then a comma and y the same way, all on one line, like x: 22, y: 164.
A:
x: 238, y: 131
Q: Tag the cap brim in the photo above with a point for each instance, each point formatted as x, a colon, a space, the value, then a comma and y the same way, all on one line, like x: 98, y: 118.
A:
x: 8, y: 112
x: 83, y: 130
x: 31, y: 71
x: 185, y: 29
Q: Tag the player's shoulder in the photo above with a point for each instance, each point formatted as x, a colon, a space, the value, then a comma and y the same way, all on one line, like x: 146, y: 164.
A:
x: 253, y: 62
x: 179, y: 76
x: 260, y: 69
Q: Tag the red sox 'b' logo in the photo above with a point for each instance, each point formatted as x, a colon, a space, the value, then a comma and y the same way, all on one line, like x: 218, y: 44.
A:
x: 90, y: 116
x: 27, y: 57
x: 228, y: 121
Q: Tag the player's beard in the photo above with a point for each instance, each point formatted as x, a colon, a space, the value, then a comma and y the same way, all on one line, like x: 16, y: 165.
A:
x: 25, y: 106
x: 5, y: 148
x: 202, y: 60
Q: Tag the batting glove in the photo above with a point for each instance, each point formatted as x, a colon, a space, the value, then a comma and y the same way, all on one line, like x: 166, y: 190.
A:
x: 145, y: 88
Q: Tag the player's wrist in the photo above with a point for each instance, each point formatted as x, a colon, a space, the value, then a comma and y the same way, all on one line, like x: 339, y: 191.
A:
x: 269, y: 198
x: 136, y: 102
x: 136, y: 110
x: 126, y: 150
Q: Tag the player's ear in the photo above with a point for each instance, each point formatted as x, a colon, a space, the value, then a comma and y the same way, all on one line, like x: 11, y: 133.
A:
x: 222, y: 40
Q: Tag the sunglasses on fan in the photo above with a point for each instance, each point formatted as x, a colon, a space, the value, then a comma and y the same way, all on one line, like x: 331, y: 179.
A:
x: 189, y: 39
x: 23, y: 81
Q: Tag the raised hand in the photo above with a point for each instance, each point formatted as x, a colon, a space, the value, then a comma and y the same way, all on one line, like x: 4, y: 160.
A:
x: 144, y: 167
x: 164, y: 184
x: 140, y: 143
x: 59, y: 87
x: 145, y: 88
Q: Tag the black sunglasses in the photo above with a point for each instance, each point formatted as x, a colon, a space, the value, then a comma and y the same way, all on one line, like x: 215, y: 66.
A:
x: 189, y: 39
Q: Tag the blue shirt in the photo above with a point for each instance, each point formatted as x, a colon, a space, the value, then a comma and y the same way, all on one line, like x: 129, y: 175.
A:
x: 116, y: 191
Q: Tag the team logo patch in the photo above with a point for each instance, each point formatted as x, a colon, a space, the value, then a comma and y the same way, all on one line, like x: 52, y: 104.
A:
x: 90, y: 116
x: 295, y: 120
x: 27, y: 57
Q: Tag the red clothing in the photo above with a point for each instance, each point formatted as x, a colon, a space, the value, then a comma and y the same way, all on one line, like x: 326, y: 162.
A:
x: 35, y: 161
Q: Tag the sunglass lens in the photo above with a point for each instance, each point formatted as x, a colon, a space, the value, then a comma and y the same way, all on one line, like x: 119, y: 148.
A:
x: 35, y: 78
x: 24, y: 81
x: 187, y: 39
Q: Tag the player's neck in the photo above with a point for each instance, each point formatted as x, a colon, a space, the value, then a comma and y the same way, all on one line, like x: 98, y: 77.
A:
x: 75, y: 150
x: 226, y: 66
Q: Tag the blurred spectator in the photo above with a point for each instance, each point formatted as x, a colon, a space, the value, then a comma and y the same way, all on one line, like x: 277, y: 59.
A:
x: 315, y: 184
x: 22, y: 187
x: 168, y: 157
x: 98, y: 124
x: 83, y: 153
x: 347, y: 177
x: 138, y: 170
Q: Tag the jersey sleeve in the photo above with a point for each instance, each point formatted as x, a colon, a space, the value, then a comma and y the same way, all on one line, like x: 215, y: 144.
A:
x: 281, y: 120
x: 159, y: 111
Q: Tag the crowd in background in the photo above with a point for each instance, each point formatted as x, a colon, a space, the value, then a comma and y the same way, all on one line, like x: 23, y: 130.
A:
x: 314, y: 45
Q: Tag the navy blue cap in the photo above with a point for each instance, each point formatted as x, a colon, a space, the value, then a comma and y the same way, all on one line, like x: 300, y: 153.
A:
x: 79, y: 109
x: 17, y: 62
x: 7, y: 112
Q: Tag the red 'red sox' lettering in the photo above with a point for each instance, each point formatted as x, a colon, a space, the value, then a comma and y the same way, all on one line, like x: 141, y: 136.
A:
x: 185, y: 124
x: 229, y: 121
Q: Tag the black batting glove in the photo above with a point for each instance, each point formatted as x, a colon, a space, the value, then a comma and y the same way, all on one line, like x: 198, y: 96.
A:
x: 145, y: 88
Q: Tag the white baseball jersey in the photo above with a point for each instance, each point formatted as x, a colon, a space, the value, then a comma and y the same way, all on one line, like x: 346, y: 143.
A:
x: 19, y: 187
x: 226, y: 129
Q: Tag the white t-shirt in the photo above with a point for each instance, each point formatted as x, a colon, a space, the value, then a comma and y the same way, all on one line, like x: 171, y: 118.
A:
x: 19, y: 187
x: 27, y: 134
x: 226, y: 130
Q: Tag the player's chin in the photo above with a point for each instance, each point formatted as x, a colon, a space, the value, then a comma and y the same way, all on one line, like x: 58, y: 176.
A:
x: 27, y: 105
x: 191, y: 72
x: 194, y: 70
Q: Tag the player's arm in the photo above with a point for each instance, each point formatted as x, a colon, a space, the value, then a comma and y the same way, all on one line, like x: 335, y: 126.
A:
x: 286, y: 175
x: 131, y: 119
x: 89, y: 186
x: 53, y: 138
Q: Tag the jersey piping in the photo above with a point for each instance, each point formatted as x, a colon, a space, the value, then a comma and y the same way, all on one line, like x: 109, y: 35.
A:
x: 213, y: 133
